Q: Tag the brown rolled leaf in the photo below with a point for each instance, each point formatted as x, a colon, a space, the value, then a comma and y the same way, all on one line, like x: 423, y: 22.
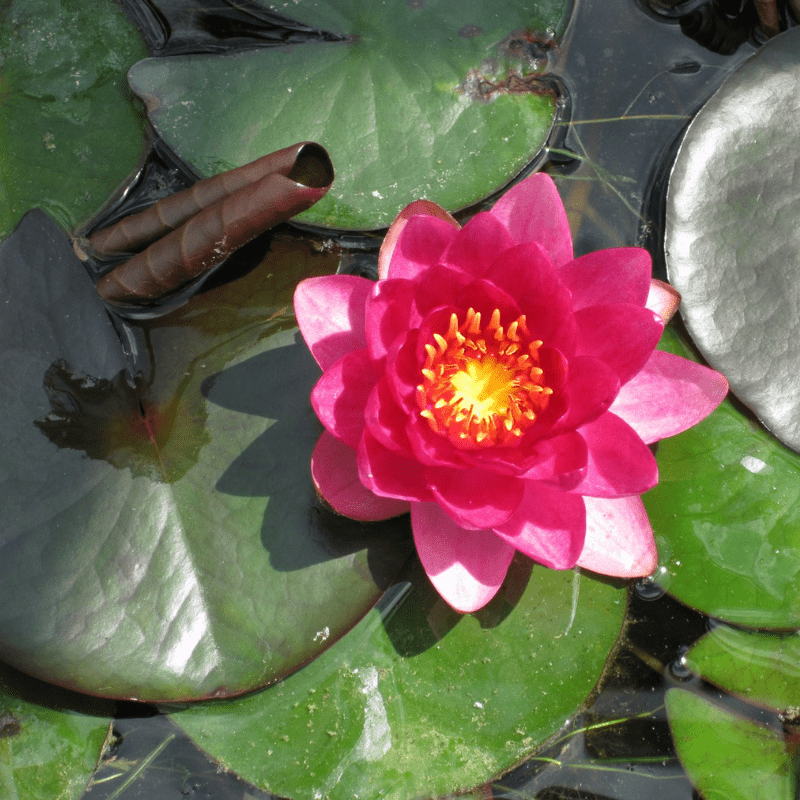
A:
x: 210, y: 236
x: 135, y: 232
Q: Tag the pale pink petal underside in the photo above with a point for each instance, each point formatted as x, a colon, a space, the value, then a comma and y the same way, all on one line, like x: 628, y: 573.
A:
x: 619, y: 539
x: 466, y: 567
x: 669, y: 395
x: 335, y: 473
x: 330, y: 311
x: 427, y: 207
x: 663, y: 299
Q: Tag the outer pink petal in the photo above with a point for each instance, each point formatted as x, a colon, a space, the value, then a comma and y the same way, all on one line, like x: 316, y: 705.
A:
x: 619, y: 539
x: 425, y: 207
x: 549, y: 526
x: 420, y: 245
x: 477, y: 245
x: 475, y: 498
x: 533, y: 212
x: 389, y: 474
x: 669, y: 395
x: 330, y: 312
x: 335, y: 474
x: 622, y: 335
x: 619, y: 275
x: 663, y: 299
x: 619, y: 464
x: 387, y: 314
x: 341, y: 394
x: 466, y: 567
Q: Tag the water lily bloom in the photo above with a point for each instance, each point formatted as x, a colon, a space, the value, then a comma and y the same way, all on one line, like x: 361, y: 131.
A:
x: 501, y: 390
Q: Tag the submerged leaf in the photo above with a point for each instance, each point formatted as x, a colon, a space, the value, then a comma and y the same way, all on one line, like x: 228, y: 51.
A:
x: 62, y: 70
x: 728, y: 757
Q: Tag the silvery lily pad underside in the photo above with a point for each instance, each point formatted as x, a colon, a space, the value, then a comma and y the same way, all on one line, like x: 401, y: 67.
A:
x: 732, y: 240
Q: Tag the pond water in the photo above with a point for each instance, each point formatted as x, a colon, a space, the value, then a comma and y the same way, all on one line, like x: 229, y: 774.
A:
x: 633, y: 80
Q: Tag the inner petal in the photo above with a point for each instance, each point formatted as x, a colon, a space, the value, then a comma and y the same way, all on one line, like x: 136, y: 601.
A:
x: 482, y: 383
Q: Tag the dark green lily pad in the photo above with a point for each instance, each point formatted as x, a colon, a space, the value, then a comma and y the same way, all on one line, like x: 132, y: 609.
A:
x: 62, y: 70
x: 763, y: 668
x: 160, y: 535
x: 732, y: 236
x: 420, y: 99
x: 417, y: 701
x: 727, y: 757
x: 726, y: 513
x: 45, y: 751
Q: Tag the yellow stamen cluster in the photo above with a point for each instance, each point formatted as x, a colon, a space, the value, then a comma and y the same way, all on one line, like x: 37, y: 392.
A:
x: 482, y: 386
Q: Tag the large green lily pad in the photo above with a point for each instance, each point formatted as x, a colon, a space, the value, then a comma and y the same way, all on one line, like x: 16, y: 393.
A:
x: 45, y: 750
x: 728, y: 757
x: 160, y: 537
x: 418, y: 701
x: 69, y: 133
x: 420, y: 99
x: 726, y: 513
x: 761, y: 667
x: 732, y: 236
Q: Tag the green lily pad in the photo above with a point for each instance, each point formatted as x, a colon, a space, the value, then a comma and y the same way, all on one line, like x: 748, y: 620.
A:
x: 160, y: 535
x: 763, y: 668
x: 732, y: 236
x: 418, y: 701
x: 727, y: 757
x: 726, y: 514
x: 420, y: 99
x: 62, y: 68
x: 45, y: 750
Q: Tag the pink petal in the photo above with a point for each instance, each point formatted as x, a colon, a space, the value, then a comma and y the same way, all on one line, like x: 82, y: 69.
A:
x: 532, y: 211
x: 341, y: 394
x: 549, y: 526
x: 335, y: 474
x: 436, y: 287
x: 477, y: 245
x: 619, y: 275
x: 466, y: 567
x: 430, y: 448
x: 389, y: 474
x: 484, y: 296
x: 386, y: 420
x: 420, y: 245
x: 619, y: 539
x: 669, y: 395
x: 591, y: 388
x: 330, y: 312
x: 561, y: 461
x: 475, y: 498
x: 622, y: 335
x: 619, y: 463
x: 403, y: 371
x: 387, y: 314
x: 425, y: 207
x: 663, y: 299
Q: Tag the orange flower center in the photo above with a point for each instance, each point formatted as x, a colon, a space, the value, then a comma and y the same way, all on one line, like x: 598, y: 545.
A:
x: 482, y: 386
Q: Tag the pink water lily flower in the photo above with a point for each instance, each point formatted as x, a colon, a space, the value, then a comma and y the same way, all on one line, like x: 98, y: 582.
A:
x: 501, y: 390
